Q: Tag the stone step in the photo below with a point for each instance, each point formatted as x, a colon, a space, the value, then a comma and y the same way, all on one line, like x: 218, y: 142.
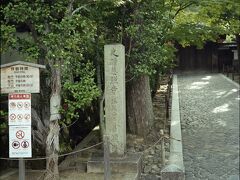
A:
x: 131, y: 163
x: 75, y: 162
x: 99, y: 176
x: 68, y: 175
x: 149, y: 177
x: 78, y: 166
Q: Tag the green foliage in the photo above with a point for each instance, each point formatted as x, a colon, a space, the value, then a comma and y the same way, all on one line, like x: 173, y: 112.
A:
x: 3, y: 114
x: 64, y: 34
x: 61, y: 39
x: 152, y: 47
x: 7, y: 37
x: 3, y: 124
x: 79, y: 93
x: 206, y: 20
x: 64, y: 146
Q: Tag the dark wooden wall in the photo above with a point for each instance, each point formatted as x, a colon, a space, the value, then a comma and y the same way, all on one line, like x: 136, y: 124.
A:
x: 212, y: 57
x: 192, y: 58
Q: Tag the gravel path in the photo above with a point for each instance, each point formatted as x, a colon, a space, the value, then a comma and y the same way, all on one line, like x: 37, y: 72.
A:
x: 209, y: 107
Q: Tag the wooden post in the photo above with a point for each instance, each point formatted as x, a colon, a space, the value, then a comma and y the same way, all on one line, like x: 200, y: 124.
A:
x: 107, y: 170
x: 167, y: 98
x: 162, y: 147
x: 233, y: 72
x: 166, y: 111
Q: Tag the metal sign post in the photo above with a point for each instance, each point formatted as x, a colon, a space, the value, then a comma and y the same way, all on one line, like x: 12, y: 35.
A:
x: 21, y: 165
x: 20, y: 129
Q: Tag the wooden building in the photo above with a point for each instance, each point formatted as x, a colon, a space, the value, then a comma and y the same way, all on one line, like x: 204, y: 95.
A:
x: 213, y: 57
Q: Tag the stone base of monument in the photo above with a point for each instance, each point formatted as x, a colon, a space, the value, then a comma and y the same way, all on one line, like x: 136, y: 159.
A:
x: 130, y: 164
x: 173, y: 172
x: 89, y: 164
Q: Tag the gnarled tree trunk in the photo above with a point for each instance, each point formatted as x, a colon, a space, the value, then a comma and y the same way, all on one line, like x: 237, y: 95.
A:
x: 52, y: 143
x: 139, y: 106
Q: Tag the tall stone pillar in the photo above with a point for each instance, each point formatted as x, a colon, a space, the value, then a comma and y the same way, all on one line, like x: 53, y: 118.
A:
x: 115, y: 101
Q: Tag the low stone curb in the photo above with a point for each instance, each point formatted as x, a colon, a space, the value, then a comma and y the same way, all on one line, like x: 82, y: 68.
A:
x: 229, y: 80
x: 175, y: 170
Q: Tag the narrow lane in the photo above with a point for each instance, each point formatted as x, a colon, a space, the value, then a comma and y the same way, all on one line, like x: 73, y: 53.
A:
x: 209, y: 108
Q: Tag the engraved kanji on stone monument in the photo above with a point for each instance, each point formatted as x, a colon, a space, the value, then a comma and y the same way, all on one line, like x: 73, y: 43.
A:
x: 115, y: 104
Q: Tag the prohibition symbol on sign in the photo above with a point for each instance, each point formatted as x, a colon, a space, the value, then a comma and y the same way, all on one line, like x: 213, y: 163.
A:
x: 26, y: 105
x: 27, y: 116
x: 20, y: 116
x: 19, y: 105
x: 12, y: 116
x: 15, y: 144
x: 12, y: 105
x: 25, y: 144
x: 20, y: 134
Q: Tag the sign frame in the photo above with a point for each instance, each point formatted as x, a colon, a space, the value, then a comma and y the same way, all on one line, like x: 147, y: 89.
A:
x: 20, y: 77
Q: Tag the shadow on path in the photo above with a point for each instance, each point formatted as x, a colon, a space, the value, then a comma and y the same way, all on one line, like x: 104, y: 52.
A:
x: 209, y: 108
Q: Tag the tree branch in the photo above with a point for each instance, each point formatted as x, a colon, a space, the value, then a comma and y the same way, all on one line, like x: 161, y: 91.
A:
x: 69, y: 9
x: 78, y: 9
x: 182, y: 7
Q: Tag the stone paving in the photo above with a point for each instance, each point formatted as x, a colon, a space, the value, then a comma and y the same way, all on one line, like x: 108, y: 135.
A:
x: 209, y: 107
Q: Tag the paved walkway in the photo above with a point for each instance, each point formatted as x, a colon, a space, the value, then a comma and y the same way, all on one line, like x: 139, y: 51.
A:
x: 209, y: 107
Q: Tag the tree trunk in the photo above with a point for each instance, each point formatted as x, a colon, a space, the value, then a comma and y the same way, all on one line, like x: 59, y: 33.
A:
x: 52, y: 143
x: 139, y: 106
x: 99, y: 84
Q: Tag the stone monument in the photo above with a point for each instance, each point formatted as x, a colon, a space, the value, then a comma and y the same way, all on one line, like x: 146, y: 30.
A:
x: 119, y: 164
x: 115, y: 103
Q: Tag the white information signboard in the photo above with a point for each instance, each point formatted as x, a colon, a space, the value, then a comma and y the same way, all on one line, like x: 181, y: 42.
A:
x: 19, y: 106
x: 20, y: 144
x: 19, y: 79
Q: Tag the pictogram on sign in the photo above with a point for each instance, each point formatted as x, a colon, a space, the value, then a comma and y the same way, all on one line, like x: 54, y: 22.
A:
x: 19, y: 116
x: 27, y: 116
x: 13, y: 105
x: 25, y: 144
x: 20, y: 134
x: 19, y: 105
x: 27, y: 105
x: 15, y: 144
x: 12, y: 116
